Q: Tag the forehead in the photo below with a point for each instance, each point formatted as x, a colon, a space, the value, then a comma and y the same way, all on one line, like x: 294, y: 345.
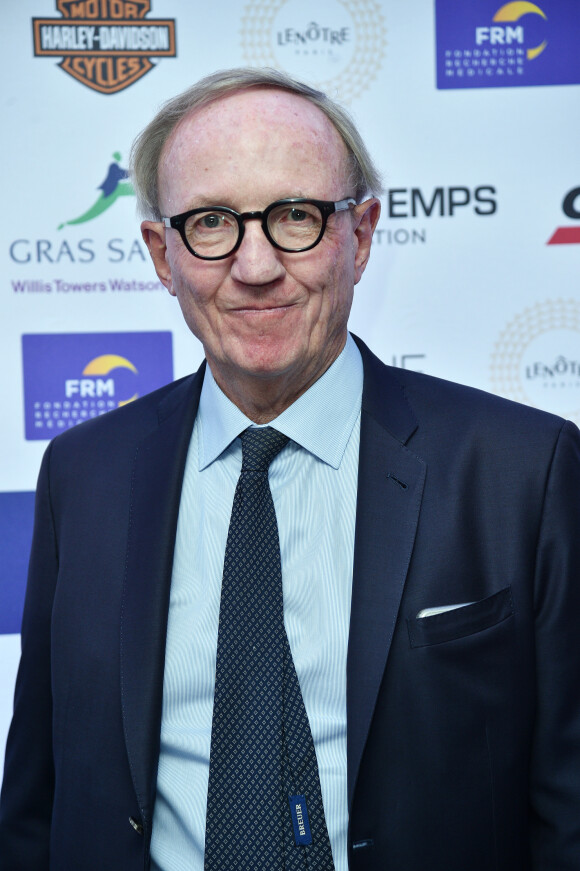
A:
x: 260, y: 142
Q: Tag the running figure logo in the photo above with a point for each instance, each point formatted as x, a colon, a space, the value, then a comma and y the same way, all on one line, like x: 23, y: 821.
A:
x: 113, y: 187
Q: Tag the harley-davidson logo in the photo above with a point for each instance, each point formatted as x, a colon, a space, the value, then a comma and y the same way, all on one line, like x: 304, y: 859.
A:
x: 105, y: 44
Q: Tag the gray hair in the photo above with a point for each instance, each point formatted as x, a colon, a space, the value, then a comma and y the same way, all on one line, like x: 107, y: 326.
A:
x: 148, y: 146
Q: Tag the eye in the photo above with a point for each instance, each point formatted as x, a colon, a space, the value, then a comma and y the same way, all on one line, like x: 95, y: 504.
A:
x: 212, y: 221
x: 297, y: 215
x: 209, y: 223
x: 300, y: 216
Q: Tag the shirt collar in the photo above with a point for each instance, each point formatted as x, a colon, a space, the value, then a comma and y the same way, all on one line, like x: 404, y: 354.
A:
x: 321, y: 420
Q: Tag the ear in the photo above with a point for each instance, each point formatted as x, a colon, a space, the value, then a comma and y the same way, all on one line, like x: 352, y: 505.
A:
x: 153, y: 233
x: 366, y: 217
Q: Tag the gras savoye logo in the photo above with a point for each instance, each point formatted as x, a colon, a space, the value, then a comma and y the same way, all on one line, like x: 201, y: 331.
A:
x: 536, y: 359
x: 106, y: 45
x: 71, y: 377
x: 339, y: 44
x: 483, y: 44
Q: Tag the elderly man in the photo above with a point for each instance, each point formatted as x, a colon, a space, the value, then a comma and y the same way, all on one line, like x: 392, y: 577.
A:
x: 299, y: 610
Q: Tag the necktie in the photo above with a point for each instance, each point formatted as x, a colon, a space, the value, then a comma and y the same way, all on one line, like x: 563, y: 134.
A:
x: 264, y: 805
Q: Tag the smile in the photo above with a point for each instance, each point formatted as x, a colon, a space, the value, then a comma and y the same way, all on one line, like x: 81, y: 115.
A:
x: 263, y: 310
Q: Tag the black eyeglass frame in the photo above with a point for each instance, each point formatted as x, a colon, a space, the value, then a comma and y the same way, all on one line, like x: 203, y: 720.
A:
x: 326, y: 208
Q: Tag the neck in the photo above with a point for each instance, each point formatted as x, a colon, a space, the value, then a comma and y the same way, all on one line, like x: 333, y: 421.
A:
x: 262, y: 398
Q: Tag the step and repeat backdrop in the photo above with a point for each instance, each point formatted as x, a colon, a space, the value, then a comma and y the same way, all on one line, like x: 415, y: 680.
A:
x: 472, y: 111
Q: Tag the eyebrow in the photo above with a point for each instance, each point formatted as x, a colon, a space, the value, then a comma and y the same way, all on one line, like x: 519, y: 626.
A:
x: 201, y: 202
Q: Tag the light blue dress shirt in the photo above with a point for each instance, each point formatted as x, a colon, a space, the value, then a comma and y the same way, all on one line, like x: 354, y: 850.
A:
x: 314, y: 487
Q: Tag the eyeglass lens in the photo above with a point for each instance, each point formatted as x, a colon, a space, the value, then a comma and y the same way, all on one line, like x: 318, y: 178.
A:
x: 215, y: 233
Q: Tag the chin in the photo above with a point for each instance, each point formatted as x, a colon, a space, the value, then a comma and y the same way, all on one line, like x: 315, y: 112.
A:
x: 268, y: 359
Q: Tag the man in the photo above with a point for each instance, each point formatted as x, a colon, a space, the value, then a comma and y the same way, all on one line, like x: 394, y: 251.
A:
x: 428, y: 537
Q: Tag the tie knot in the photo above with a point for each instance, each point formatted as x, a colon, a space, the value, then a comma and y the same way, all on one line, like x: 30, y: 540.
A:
x: 260, y: 446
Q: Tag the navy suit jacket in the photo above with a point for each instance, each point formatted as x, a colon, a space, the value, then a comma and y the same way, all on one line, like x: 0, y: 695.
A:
x: 463, y: 727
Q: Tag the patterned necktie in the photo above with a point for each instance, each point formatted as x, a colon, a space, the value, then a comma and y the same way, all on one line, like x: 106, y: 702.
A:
x: 264, y: 805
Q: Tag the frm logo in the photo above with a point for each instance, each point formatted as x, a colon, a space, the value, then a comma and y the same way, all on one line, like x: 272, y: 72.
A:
x: 503, y: 31
x: 487, y: 44
x: 95, y: 387
x: 72, y: 377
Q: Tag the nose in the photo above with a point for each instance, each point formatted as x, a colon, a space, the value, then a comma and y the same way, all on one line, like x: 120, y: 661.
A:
x: 256, y: 262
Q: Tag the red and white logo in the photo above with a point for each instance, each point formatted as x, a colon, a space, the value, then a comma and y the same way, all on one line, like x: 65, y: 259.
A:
x: 569, y: 234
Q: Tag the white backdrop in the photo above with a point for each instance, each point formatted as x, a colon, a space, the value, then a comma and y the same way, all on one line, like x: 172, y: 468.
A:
x: 481, y: 167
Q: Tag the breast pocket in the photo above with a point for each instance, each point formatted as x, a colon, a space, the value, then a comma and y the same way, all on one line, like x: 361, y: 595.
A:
x: 461, y: 622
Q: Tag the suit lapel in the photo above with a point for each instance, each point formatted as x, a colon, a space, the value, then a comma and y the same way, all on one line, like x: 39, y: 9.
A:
x: 155, y: 494
x: 390, y: 488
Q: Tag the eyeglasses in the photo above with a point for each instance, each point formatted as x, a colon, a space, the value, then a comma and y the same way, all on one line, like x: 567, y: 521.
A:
x: 292, y: 225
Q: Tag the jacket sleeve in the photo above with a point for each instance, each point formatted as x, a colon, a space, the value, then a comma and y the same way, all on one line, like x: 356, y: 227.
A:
x: 555, y: 764
x: 27, y: 792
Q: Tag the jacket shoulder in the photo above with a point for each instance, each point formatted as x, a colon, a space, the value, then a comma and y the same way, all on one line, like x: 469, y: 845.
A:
x: 471, y: 408
x: 107, y: 444
x: 129, y: 420
x: 448, y: 410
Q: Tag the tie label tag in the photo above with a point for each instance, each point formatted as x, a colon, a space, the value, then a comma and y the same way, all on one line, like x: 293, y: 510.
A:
x: 300, y: 822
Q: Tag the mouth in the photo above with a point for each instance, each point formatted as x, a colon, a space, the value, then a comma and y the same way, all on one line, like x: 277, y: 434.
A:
x: 269, y: 308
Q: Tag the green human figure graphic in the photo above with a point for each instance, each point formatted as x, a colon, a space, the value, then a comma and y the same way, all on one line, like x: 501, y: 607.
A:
x: 111, y: 189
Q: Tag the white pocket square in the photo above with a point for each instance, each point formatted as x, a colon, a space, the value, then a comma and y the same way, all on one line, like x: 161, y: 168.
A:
x: 441, y: 609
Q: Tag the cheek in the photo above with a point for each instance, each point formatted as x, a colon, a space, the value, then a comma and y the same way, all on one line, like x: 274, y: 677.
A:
x: 339, y: 292
x: 195, y: 302
x: 340, y: 279
x: 327, y: 272
x: 194, y: 284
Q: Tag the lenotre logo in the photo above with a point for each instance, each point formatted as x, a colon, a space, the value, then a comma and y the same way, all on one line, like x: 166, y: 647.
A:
x: 338, y: 44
